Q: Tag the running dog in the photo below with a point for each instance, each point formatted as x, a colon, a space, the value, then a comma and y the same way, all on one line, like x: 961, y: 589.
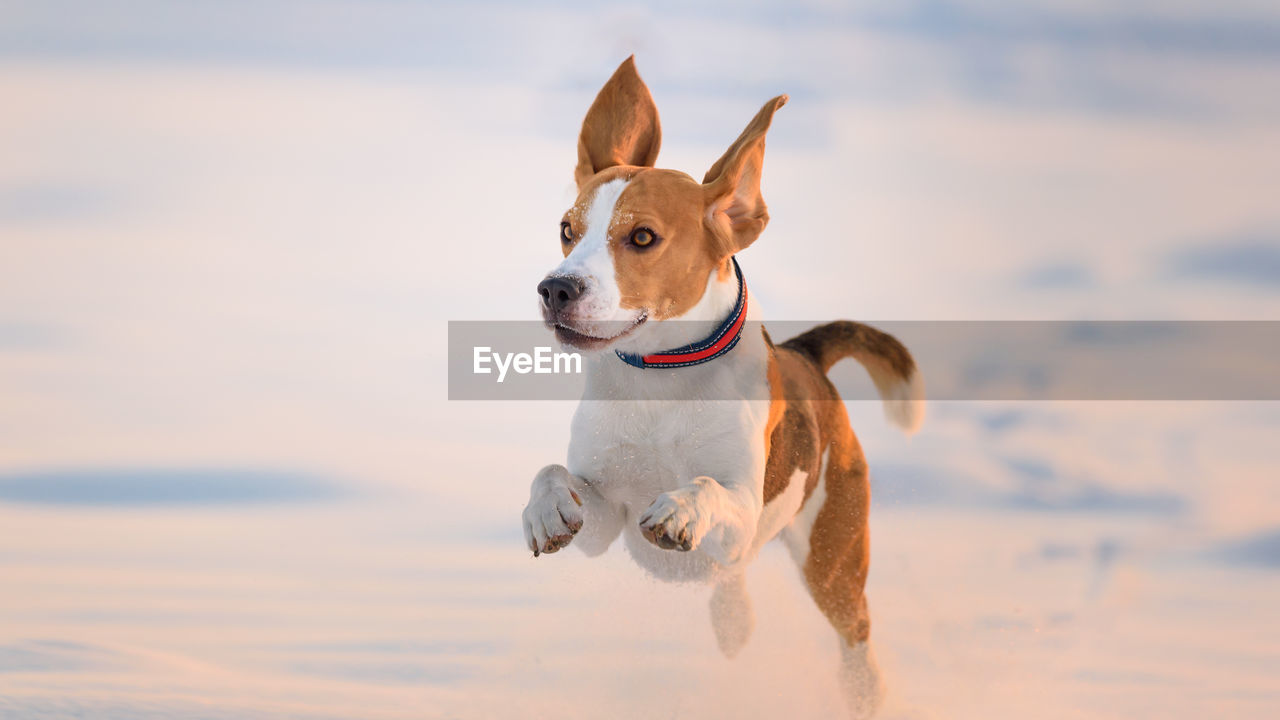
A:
x: 699, y: 439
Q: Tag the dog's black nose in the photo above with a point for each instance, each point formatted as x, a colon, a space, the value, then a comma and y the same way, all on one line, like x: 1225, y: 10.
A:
x: 558, y: 292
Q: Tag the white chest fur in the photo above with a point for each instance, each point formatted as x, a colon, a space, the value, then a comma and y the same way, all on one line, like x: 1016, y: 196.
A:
x: 632, y: 451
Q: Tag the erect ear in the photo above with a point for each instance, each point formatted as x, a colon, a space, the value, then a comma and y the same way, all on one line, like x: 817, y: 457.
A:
x: 735, y: 211
x: 621, y: 128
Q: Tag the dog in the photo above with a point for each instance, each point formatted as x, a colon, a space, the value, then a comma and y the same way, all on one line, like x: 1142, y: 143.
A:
x: 699, y: 439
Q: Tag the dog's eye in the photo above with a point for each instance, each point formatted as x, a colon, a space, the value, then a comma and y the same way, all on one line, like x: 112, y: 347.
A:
x: 566, y: 233
x: 643, y: 237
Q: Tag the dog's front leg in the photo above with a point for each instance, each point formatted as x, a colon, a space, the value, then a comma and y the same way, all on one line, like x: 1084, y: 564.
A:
x: 718, y: 517
x: 563, y: 505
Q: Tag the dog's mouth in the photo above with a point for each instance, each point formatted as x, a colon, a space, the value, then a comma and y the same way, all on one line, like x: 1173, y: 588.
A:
x: 582, y: 341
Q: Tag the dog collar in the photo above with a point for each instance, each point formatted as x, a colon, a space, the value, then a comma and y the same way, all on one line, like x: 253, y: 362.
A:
x: 718, y: 343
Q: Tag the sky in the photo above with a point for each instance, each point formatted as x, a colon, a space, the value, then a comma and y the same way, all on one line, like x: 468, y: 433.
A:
x: 232, y: 236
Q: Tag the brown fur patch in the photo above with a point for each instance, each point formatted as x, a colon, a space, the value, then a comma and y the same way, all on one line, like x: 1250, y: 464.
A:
x: 669, y: 277
x: 621, y: 128
x: 795, y: 447
x: 774, y: 479
x: 736, y: 213
x: 814, y: 420
x: 699, y: 225
x: 576, y: 215
x: 876, y: 350
x: 839, y: 547
x: 793, y: 438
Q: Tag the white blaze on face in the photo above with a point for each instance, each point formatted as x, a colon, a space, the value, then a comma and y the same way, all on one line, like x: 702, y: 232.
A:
x: 598, y: 310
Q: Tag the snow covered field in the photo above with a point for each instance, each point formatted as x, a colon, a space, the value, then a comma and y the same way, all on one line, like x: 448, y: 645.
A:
x: 230, y: 241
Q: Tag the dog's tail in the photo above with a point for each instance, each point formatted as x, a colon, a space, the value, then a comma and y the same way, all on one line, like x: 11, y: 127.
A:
x: 890, y: 365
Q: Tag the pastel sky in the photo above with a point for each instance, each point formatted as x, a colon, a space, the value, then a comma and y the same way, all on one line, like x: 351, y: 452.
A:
x: 232, y: 235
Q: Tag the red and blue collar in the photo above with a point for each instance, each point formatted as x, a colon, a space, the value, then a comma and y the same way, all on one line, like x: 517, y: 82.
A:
x: 718, y: 343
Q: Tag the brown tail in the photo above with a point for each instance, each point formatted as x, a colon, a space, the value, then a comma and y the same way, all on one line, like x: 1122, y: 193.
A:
x: 886, y: 360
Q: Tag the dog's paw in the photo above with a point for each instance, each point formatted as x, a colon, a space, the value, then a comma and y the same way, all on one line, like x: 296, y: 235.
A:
x: 554, y: 513
x: 673, y: 522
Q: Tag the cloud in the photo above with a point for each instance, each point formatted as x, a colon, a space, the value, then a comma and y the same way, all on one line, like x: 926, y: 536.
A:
x: 1040, y: 486
x: 50, y: 202
x: 895, y: 484
x: 162, y: 487
x: 1032, y: 485
x: 1047, y: 54
x: 29, y: 336
x: 1148, y: 31
x: 56, y: 656
x: 1253, y: 261
x: 1059, y: 276
x: 442, y: 671
x: 1092, y: 498
x: 1258, y: 550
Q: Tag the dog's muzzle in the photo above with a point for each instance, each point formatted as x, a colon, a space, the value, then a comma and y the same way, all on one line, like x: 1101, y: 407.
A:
x: 559, y: 292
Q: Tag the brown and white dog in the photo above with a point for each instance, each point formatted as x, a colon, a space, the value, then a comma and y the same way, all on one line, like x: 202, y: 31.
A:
x: 700, y: 440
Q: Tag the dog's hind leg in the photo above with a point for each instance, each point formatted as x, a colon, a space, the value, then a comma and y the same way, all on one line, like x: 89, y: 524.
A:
x: 829, y: 540
x: 860, y: 678
x: 731, y: 615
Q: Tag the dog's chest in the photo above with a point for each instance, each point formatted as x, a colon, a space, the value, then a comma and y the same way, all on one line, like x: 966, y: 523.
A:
x: 633, y: 451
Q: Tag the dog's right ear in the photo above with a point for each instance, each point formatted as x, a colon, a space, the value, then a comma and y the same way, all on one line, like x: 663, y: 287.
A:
x: 621, y: 128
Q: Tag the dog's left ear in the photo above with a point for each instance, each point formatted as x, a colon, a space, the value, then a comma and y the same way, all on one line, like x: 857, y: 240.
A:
x: 735, y: 211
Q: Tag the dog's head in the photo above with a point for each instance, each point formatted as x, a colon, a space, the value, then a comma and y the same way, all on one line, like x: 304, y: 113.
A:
x: 641, y: 243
